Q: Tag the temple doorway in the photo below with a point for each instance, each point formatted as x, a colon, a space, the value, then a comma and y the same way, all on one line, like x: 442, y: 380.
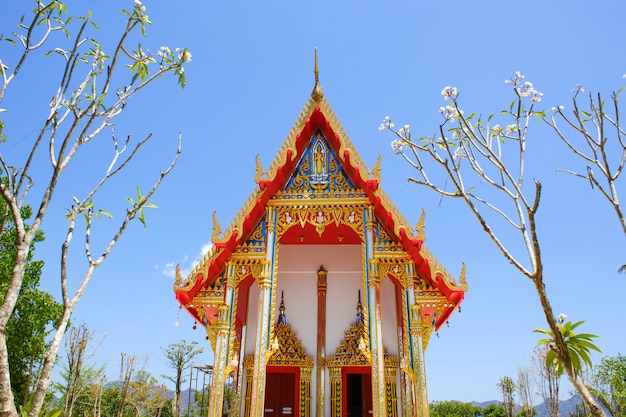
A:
x: 358, y: 394
x: 280, y: 394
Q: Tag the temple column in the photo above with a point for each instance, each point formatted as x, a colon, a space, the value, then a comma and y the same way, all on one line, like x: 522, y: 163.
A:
x: 417, y: 362
x: 320, y: 372
x: 222, y: 353
x: 262, y: 351
x: 406, y: 375
x: 220, y: 362
x: 374, y: 318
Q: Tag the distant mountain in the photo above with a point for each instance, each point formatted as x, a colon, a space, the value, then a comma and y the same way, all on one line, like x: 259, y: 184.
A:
x: 485, y: 403
x: 566, y: 407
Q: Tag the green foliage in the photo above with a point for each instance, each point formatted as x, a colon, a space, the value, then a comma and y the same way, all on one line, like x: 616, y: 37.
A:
x: 454, y: 409
x: 178, y: 357
x: 139, y: 205
x: 609, y: 383
x: 36, y: 312
x: 579, y: 347
x: 493, y: 410
x: 51, y: 412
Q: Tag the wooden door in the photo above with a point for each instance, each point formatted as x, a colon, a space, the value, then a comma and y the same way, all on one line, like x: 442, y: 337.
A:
x: 280, y: 394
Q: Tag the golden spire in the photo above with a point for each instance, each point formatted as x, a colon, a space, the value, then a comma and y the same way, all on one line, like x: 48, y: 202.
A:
x: 317, y: 92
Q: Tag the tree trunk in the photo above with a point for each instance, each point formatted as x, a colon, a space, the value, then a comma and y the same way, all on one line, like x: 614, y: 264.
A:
x: 7, y: 400
x: 561, y: 349
x: 48, y: 364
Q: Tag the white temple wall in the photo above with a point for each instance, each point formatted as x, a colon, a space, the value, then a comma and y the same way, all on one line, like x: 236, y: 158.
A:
x: 297, y: 277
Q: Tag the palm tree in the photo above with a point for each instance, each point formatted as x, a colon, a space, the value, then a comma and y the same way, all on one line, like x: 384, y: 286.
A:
x: 579, y: 346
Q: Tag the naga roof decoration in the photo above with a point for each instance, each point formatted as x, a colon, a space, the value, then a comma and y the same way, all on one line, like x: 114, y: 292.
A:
x: 317, y: 121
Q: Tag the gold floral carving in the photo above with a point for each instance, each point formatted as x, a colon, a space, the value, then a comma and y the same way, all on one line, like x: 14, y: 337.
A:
x: 349, y: 352
x: 287, y: 352
x: 352, y: 351
x: 436, y: 268
x: 290, y: 351
x: 319, y: 217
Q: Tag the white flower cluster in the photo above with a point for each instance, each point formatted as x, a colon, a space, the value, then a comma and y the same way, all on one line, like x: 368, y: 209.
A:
x: 560, y: 108
x: 449, y: 93
x: 164, y: 52
x: 527, y: 90
x: 516, y: 79
x: 404, y: 131
x: 459, y: 153
x: 386, y: 124
x: 498, y: 130
x: 450, y: 113
x: 184, y: 55
x: 397, y: 145
x: 140, y: 6
x: 578, y: 89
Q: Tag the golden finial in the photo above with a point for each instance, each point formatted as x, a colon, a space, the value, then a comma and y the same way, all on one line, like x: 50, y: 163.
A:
x: 317, y: 94
x: 463, y: 278
x: 420, y: 228
x: 178, y: 282
x: 217, y: 230
x: 259, y: 170
x: 376, y: 170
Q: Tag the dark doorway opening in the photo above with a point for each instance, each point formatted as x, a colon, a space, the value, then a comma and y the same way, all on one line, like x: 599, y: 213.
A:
x: 358, y: 394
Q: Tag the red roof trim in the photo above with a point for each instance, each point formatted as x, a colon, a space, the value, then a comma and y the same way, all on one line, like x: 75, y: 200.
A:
x: 269, y: 187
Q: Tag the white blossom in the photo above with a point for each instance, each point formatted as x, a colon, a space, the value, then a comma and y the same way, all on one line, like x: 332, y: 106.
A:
x: 449, y: 92
x: 386, y: 124
x: 397, y: 145
x: 496, y: 130
x: 562, y: 317
x: 578, y: 89
x: 511, y: 128
x: 404, y: 131
x: 184, y: 55
x: 164, y: 51
x: 516, y: 79
x: 450, y: 113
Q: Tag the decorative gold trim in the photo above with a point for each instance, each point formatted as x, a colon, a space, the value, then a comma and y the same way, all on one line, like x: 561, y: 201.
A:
x: 353, y: 351
x: 375, y: 172
x: 290, y: 351
x: 420, y: 227
x: 259, y: 172
x: 436, y: 268
x: 217, y: 230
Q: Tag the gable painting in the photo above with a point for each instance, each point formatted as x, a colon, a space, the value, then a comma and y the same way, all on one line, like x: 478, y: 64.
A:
x: 319, y: 299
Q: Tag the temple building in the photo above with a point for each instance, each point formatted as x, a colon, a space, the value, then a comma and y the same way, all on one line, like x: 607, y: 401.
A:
x: 319, y: 299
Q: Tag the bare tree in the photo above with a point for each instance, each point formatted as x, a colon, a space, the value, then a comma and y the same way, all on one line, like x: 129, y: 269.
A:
x: 547, y: 381
x: 127, y: 369
x: 484, y: 164
x: 524, y: 389
x: 84, y: 106
x: 507, y: 387
x: 75, y: 345
x: 596, y: 138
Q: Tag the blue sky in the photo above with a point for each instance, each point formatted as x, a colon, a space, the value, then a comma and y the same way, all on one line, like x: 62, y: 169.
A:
x: 250, y: 76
